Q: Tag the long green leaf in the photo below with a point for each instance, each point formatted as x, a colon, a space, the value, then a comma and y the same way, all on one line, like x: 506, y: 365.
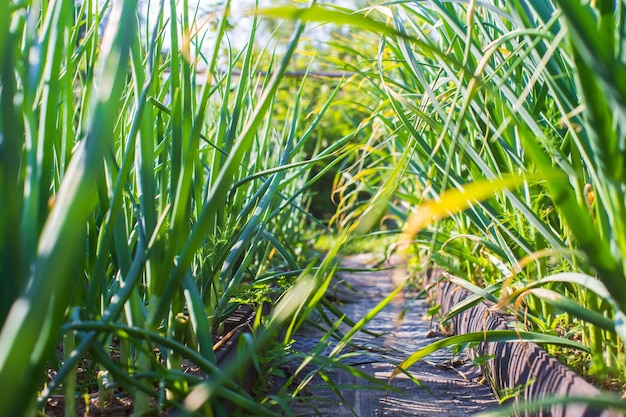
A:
x: 501, y: 336
x: 34, y: 319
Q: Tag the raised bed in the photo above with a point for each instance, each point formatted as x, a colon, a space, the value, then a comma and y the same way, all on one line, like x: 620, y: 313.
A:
x: 520, y: 366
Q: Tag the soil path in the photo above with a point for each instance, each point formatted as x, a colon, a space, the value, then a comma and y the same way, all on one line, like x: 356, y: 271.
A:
x: 451, y: 385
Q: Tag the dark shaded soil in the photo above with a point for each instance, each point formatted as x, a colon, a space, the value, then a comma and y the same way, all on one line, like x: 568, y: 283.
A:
x: 120, y: 402
x: 120, y: 405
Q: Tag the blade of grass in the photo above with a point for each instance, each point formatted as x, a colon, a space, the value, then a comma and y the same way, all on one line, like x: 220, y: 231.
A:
x: 488, y: 336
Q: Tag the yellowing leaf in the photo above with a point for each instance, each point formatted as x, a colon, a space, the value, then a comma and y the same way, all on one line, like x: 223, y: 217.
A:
x: 452, y: 202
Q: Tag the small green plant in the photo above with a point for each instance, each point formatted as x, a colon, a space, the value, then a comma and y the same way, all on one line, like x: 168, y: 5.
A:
x: 507, y: 394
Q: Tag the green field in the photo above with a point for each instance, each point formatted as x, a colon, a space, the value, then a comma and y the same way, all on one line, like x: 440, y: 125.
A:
x: 147, y: 191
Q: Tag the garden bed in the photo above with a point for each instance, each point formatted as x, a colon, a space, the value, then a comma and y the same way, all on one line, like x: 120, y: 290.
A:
x: 119, y: 402
x: 520, y: 367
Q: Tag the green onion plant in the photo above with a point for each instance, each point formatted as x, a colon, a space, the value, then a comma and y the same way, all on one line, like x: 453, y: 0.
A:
x: 505, y: 120
x: 145, y: 182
